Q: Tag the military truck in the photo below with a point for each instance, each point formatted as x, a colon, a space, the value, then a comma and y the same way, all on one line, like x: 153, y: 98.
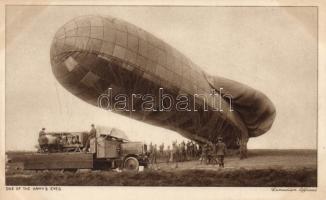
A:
x: 110, y: 149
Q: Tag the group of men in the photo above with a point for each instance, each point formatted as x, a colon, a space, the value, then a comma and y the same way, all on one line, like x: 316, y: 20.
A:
x: 178, y: 152
x: 207, y: 153
x: 214, y: 153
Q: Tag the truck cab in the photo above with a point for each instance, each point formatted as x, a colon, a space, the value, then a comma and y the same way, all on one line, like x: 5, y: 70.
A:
x: 112, y: 151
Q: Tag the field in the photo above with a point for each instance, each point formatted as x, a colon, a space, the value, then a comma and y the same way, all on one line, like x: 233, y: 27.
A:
x: 263, y: 168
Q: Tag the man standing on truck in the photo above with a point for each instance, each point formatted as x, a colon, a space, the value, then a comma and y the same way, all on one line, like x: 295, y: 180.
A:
x: 43, y: 141
x: 92, y: 134
x: 42, y: 132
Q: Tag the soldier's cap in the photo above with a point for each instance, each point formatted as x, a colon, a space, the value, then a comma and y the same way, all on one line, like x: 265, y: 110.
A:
x: 92, y: 124
x: 43, y: 128
x: 220, y: 138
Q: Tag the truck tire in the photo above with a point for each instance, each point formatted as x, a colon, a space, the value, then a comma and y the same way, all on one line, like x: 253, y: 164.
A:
x: 131, y: 164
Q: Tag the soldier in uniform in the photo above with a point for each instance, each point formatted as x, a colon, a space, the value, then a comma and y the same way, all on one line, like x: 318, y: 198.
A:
x: 150, y: 148
x: 188, y: 150
x: 92, y: 134
x: 175, y: 154
x: 199, y: 150
x: 220, y: 151
x: 43, y: 141
x: 211, y: 157
x: 42, y: 132
x: 192, y: 149
x: 145, y: 148
x: 168, y: 154
x: 183, y: 151
x: 153, y: 156
x: 161, y: 150
x: 204, y: 154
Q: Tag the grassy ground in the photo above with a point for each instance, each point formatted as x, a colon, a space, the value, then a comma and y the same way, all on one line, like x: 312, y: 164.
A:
x: 241, y: 177
x: 263, y: 168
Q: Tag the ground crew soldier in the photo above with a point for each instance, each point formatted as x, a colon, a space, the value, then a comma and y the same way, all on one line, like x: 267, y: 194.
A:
x: 183, y: 151
x: 168, y: 154
x: 150, y: 148
x: 211, y: 156
x: 153, y: 156
x: 200, y: 150
x: 204, y: 154
x: 145, y: 148
x: 220, y: 151
x: 188, y: 150
x: 161, y: 149
x: 175, y: 154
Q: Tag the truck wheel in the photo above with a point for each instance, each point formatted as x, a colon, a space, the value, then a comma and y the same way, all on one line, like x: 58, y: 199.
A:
x: 131, y: 164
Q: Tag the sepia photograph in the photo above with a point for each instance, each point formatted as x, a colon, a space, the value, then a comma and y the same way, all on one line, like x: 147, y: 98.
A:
x: 161, y: 96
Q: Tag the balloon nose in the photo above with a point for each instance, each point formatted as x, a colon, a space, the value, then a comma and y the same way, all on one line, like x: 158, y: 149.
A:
x: 80, y: 35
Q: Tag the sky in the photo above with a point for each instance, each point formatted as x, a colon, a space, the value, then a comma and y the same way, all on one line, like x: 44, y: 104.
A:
x: 272, y: 49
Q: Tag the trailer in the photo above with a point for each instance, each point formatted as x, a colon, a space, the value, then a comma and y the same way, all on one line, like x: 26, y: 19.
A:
x: 105, y: 152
